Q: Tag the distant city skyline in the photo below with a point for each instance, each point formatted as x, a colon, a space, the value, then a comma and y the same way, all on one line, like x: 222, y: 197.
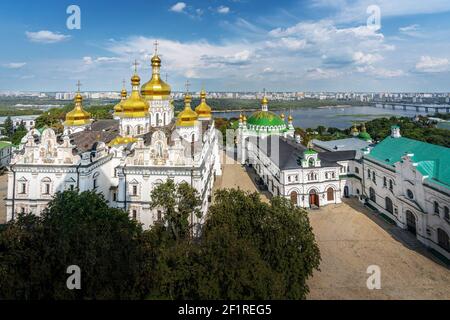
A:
x: 229, y: 45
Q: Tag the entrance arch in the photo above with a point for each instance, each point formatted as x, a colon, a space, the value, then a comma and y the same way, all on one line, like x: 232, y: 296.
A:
x: 411, y: 222
x: 330, y: 194
x: 389, y: 206
x: 313, y: 199
x: 294, y: 197
x: 346, y: 193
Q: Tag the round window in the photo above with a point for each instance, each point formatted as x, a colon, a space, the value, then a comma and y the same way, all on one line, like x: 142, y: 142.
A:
x: 410, y: 194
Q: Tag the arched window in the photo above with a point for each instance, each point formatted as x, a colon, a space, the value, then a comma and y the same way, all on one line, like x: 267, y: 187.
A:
x: 138, y: 130
x: 128, y: 130
x: 95, y: 180
x: 389, y: 207
x: 157, y: 119
x: 311, y: 162
x: 436, y: 207
x: 391, y: 184
x: 356, y: 170
x: 330, y: 194
x: 164, y: 118
x: 443, y: 240
x: 294, y: 197
x: 46, y: 184
x: 368, y: 173
x: 446, y: 213
x: 372, y: 195
x: 385, y: 182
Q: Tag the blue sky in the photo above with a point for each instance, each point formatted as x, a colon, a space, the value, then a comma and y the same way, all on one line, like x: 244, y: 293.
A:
x: 228, y: 45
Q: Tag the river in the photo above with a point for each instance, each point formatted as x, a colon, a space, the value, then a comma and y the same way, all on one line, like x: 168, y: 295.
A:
x: 339, y: 117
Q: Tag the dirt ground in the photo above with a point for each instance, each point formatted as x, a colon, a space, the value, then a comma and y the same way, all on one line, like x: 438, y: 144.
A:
x: 350, y: 239
x: 3, y: 188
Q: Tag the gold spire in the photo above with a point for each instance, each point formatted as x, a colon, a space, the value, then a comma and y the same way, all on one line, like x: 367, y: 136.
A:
x: 78, y: 116
x: 156, y: 88
x: 123, y: 95
x: 135, y: 106
x: 187, y: 117
x: 203, y: 110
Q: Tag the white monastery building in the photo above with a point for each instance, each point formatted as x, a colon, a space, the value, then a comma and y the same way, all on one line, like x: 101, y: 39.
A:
x: 125, y: 158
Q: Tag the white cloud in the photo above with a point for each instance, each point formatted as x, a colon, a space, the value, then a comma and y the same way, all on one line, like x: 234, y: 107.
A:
x: 355, y: 10
x: 321, y: 74
x: 380, y: 72
x: 361, y: 58
x: 411, y: 30
x: 14, y: 65
x: 223, y: 10
x: 432, y: 64
x: 45, y: 36
x: 178, y: 7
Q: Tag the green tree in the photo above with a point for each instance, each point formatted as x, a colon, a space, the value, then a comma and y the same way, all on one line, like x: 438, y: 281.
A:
x: 8, y: 127
x: 179, y: 205
x: 247, y: 249
x: 20, y: 132
x: 280, y: 231
x: 75, y: 229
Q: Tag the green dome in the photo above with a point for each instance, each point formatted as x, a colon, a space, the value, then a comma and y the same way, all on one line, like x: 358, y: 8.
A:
x: 365, y: 136
x: 266, y: 119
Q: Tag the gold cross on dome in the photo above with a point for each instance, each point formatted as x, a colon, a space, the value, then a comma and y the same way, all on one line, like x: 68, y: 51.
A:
x: 188, y: 84
x: 135, y: 65
x: 156, y: 43
x: 78, y: 85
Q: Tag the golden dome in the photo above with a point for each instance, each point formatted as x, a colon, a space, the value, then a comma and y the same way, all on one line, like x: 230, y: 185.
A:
x: 187, y: 117
x: 290, y: 118
x: 245, y: 119
x: 156, y: 88
x: 264, y: 101
x: 78, y: 116
x: 122, y: 140
x: 135, y: 106
x: 203, y: 110
x: 282, y: 116
x: 118, y: 107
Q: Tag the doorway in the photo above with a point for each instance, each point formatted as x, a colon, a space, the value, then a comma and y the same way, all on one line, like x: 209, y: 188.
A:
x: 411, y: 222
x: 313, y: 199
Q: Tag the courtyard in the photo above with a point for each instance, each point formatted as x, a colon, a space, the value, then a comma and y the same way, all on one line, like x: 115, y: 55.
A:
x: 352, y: 238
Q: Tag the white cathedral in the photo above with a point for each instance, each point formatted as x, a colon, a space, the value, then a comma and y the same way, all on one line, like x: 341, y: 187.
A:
x: 124, y: 158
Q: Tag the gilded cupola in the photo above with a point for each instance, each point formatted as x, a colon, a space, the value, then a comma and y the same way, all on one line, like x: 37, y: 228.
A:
x: 123, y: 96
x: 187, y: 117
x: 135, y: 106
x: 156, y: 88
x: 203, y: 109
x: 78, y: 116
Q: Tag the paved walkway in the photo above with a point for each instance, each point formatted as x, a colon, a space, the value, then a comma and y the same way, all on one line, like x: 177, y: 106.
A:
x: 235, y: 175
x: 351, y: 238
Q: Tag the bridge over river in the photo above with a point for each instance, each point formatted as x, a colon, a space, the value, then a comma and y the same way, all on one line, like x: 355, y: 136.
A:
x: 441, y: 108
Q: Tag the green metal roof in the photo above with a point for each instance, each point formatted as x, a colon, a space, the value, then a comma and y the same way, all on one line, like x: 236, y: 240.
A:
x: 432, y: 160
x: 365, y: 136
x: 265, y: 118
x: 4, y: 144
